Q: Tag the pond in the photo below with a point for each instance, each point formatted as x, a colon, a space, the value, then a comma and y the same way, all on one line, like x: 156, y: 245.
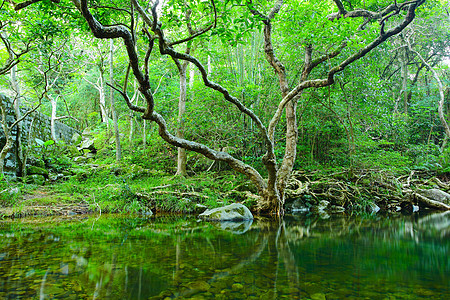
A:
x: 167, y: 257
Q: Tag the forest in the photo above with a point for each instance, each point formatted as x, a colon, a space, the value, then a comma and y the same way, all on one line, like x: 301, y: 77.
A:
x: 279, y: 105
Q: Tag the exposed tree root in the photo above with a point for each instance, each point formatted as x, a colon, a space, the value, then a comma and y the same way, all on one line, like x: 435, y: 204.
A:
x: 350, y: 189
x: 360, y: 189
x: 427, y: 202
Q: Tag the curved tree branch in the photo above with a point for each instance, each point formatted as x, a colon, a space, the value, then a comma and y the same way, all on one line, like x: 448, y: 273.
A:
x: 194, y: 34
x: 236, y: 164
x: 119, y: 31
x: 19, y: 6
x: 329, y: 80
x: 13, y: 58
x: 382, y: 15
x: 165, y: 49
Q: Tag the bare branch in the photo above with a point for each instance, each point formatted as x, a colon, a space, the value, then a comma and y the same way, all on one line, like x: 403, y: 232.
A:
x: 127, y: 100
x: 276, y: 9
x: 13, y: 58
x: 189, y: 38
x: 67, y: 117
x: 358, y: 13
x: 19, y: 6
x: 194, y: 34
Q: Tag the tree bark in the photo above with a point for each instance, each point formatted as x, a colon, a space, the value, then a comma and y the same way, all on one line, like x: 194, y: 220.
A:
x: 18, y: 141
x: 113, y: 108
x: 404, y: 75
x: 54, y: 102
x: 9, y: 139
x: 182, y: 157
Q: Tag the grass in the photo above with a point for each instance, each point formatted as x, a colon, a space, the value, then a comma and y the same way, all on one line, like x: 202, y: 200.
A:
x: 112, y: 188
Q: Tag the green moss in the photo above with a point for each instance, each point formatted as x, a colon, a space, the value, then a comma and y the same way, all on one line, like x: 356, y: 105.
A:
x: 35, y: 179
x: 37, y: 170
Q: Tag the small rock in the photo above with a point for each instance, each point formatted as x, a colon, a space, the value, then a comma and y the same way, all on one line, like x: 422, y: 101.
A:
x: 373, y: 208
x: 35, y: 179
x: 76, y: 138
x: 200, y: 208
x: 14, y: 191
x: 323, y: 204
x: 80, y: 159
x: 37, y: 170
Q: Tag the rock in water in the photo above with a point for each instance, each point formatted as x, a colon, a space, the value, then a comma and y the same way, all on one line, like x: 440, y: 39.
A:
x: 232, y: 212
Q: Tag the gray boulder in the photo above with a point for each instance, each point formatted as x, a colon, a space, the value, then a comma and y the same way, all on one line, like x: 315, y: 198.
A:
x: 436, y: 195
x: 232, y: 212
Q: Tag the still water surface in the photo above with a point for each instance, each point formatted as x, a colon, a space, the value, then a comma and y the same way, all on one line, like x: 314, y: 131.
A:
x: 301, y: 257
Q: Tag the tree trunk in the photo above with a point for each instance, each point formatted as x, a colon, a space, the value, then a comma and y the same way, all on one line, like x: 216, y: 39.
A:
x: 9, y: 141
x: 113, y: 109
x: 144, y: 135
x: 17, y: 102
x: 441, y: 91
x: 182, y: 157
x: 404, y: 74
x: 135, y: 97
x: 54, y: 102
x: 102, y: 99
x: 5, y: 150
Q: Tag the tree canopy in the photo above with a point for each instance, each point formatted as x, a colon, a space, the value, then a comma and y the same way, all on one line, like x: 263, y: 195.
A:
x: 270, y: 86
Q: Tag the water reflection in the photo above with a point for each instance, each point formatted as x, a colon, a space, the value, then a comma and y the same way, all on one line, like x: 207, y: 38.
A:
x: 342, y: 257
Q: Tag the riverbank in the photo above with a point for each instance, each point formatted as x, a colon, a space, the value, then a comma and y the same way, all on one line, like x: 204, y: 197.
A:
x: 132, y: 189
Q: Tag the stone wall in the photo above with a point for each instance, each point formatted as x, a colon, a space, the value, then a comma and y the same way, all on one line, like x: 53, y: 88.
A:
x: 40, y: 129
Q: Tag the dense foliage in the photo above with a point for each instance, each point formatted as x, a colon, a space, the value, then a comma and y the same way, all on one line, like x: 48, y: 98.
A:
x: 381, y: 112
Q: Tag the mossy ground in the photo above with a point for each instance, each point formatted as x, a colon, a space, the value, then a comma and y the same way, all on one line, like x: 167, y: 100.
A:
x: 112, y: 188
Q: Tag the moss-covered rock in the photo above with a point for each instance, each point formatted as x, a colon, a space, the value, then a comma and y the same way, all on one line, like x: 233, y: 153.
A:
x: 34, y: 170
x: 35, y: 179
x: 39, y: 163
x: 72, y: 151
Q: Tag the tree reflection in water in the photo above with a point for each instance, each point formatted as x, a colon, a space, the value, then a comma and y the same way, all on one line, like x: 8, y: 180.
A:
x: 375, y: 257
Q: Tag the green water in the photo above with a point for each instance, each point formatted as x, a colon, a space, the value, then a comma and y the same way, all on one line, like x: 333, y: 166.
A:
x: 114, y: 257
